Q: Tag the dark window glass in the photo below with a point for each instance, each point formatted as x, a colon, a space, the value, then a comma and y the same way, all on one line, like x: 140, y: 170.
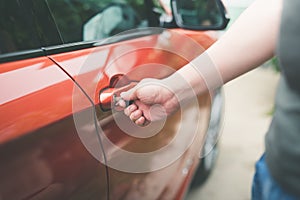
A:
x: 84, y: 20
x: 16, y: 28
x: 44, y: 22
x: 26, y: 25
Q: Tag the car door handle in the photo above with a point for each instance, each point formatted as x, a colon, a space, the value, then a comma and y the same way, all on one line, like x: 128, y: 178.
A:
x: 109, y: 97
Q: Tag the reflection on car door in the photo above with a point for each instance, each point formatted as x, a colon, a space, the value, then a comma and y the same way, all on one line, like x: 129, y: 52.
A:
x: 93, y: 70
x: 41, y: 154
x: 129, y: 54
x: 95, y: 63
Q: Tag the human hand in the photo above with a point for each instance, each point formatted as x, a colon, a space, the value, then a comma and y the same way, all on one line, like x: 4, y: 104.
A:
x: 153, y: 101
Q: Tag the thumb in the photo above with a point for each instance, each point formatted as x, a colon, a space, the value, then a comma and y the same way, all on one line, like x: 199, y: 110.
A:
x: 135, y: 92
x: 130, y: 94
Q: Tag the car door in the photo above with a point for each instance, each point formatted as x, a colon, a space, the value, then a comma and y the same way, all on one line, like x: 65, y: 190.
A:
x: 41, y: 154
x: 109, y: 47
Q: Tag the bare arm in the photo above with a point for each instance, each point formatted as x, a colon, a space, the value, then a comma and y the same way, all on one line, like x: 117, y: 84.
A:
x: 249, y: 42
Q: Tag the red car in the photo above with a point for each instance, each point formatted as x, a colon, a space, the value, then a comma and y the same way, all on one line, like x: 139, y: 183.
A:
x: 62, y: 67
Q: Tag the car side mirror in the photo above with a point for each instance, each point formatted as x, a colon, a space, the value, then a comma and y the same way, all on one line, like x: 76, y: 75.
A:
x: 200, y: 14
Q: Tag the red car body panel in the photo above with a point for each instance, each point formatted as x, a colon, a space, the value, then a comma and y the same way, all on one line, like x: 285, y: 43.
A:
x: 41, y: 100
x: 132, y: 59
x: 101, y: 63
x: 41, y: 154
x: 35, y: 93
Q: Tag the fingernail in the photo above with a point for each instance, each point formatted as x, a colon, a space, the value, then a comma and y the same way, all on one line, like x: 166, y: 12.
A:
x: 131, y: 108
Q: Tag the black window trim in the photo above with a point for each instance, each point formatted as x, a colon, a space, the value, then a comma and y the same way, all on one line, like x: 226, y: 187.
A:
x: 51, y: 50
x: 21, y: 55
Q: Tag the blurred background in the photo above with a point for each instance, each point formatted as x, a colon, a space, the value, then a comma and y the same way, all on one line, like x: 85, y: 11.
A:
x: 249, y: 102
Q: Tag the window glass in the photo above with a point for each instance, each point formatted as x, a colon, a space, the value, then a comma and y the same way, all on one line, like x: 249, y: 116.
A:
x: 26, y: 25
x: 16, y: 28
x: 44, y: 22
x: 85, y: 20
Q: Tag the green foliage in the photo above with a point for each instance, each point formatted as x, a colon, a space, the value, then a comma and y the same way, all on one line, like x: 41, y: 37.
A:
x: 275, y: 64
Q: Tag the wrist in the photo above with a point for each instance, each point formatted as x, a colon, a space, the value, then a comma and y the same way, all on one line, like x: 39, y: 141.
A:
x: 179, y: 86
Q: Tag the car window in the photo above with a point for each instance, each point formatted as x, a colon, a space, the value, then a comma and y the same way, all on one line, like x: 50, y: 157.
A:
x: 16, y: 28
x: 86, y: 20
x: 26, y: 25
x: 32, y: 24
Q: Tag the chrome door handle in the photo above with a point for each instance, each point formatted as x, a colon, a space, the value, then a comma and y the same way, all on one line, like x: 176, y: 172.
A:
x: 110, y: 96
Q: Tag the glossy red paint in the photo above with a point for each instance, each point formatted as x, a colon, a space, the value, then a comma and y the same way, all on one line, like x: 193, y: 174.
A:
x: 42, y: 156
x: 40, y: 100
x: 152, y: 56
x: 56, y: 141
x: 93, y: 68
x: 51, y: 163
x: 35, y: 92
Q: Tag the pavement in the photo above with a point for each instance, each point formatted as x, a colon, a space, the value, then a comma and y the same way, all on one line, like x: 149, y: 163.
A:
x: 248, y: 107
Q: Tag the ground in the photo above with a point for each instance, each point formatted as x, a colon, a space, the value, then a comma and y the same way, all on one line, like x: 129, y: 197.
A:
x: 248, y: 107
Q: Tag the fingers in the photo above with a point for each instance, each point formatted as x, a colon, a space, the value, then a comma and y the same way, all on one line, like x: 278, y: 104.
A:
x: 141, y: 121
x: 121, y: 103
x: 132, y: 94
x: 129, y: 95
x: 130, y: 109
x: 135, y: 115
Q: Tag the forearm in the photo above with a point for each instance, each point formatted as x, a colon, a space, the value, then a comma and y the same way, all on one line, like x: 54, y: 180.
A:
x: 249, y: 42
